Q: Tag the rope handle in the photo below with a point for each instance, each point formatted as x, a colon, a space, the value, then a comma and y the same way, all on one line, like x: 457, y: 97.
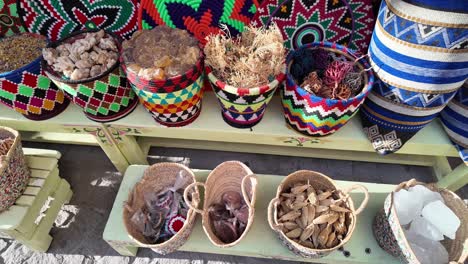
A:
x: 253, y: 179
x: 273, y: 215
x: 186, y: 193
x: 366, y: 196
x: 406, y: 185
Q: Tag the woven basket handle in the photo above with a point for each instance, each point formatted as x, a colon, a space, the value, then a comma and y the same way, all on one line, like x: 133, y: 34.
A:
x: 186, y: 193
x: 406, y: 185
x: 253, y: 179
x: 366, y: 196
x: 273, y: 215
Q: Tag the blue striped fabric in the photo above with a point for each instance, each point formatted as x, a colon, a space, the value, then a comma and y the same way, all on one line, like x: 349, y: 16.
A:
x: 420, y: 56
x: 454, y: 118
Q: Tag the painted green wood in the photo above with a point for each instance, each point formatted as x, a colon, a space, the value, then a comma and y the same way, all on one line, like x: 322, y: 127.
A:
x: 441, y: 167
x: 10, y: 218
x: 60, y: 138
x: 127, y: 146
x: 41, y: 163
x: 42, y: 152
x: 260, y: 241
x: 456, y: 179
x: 272, y: 130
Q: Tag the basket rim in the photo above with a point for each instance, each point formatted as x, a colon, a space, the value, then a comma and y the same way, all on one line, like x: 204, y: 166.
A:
x: 52, y: 74
x: 337, y: 48
x: 16, y: 141
x: 24, y: 67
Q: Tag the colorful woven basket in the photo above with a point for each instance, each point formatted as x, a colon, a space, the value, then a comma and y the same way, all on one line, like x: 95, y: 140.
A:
x: 346, y: 22
x: 316, y: 116
x: 14, y: 173
x: 10, y: 22
x: 454, y: 118
x: 420, y: 56
x: 201, y: 17
x: 57, y: 19
x: 173, y: 102
x: 243, y: 107
x: 391, y: 237
x: 28, y: 91
x: 104, y: 98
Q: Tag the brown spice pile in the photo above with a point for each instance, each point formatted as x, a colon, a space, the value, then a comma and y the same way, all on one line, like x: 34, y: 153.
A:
x: 250, y: 61
x: 18, y: 51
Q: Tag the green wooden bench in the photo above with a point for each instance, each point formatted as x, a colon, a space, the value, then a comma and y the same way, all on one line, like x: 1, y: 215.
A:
x: 261, y: 241
x: 30, y: 219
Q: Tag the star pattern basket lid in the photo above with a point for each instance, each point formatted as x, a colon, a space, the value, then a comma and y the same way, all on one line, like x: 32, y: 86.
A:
x: 58, y: 18
x: 346, y: 22
x: 10, y: 22
x: 199, y: 17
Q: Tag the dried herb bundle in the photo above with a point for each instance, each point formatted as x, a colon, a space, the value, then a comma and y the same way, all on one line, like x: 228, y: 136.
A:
x: 252, y: 60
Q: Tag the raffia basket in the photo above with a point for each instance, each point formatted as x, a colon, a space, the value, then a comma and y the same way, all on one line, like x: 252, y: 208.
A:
x: 14, y: 172
x: 318, y: 181
x: 228, y: 176
x: 156, y: 178
x: 391, y: 237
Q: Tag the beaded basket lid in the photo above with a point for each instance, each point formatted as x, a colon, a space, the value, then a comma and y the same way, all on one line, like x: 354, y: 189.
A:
x: 199, y: 17
x: 346, y: 22
x: 58, y: 18
x: 10, y: 22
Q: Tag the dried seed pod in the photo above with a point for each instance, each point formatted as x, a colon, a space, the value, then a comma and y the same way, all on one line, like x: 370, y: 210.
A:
x: 300, y: 198
x: 326, y: 202
x: 299, y: 223
x: 307, y: 243
x: 294, y: 233
x: 290, y: 225
x: 290, y: 216
x: 305, y: 215
x: 339, y: 228
x: 307, y: 233
x: 285, y: 208
x: 280, y: 213
x: 323, y: 236
x: 342, y: 218
x: 299, y: 205
x: 310, y: 190
x: 315, y: 236
x: 312, y: 198
x: 311, y: 214
x: 337, y: 208
x: 321, y: 208
x: 299, y: 189
x: 289, y: 195
x: 288, y: 203
x: 326, y: 218
x: 324, y: 195
x: 331, y: 242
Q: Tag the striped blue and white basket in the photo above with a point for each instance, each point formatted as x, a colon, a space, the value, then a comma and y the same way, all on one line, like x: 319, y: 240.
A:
x: 420, y: 54
x: 454, y: 118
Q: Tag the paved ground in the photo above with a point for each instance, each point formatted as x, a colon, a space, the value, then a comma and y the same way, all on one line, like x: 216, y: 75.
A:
x: 79, y: 227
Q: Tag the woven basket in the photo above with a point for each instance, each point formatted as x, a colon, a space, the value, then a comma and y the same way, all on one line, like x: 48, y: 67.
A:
x: 10, y: 22
x: 243, y: 107
x: 173, y: 102
x: 30, y: 92
x: 104, y: 98
x: 14, y: 173
x: 156, y: 178
x: 228, y: 176
x: 391, y: 237
x: 318, y: 181
x: 312, y: 115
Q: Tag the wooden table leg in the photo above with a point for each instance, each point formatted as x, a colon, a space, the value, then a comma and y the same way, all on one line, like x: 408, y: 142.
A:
x: 455, y: 179
x: 127, y: 145
x: 122, y: 249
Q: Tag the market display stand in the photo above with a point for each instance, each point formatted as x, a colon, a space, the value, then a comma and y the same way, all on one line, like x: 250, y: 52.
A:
x: 30, y: 219
x: 261, y: 241
x: 127, y: 141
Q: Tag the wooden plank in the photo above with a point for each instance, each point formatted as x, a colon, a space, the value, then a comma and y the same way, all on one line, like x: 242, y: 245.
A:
x: 48, y: 153
x: 25, y: 200
x: 261, y: 234
x: 37, y: 182
x: 41, y: 163
x: 9, y: 219
x: 456, y: 179
x: 43, y: 173
x: 147, y: 142
x: 60, y: 138
x: 272, y: 130
x: 32, y: 190
x: 441, y: 167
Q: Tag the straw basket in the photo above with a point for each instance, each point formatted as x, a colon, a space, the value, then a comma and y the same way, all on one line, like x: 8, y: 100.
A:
x: 104, y: 98
x: 391, y: 237
x: 173, y: 102
x: 29, y: 92
x: 228, y: 176
x: 156, y: 178
x: 318, y: 181
x: 312, y: 115
x: 243, y: 107
x: 14, y: 173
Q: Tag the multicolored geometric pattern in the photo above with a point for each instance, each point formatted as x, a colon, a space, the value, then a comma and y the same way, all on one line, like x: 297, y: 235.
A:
x: 348, y: 23
x: 56, y: 19
x: 420, y: 67
x: 10, y: 22
x: 169, y: 85
x: 199, y: 17
x: 316, y: 116
x: 454, y: 118
x: 174, y: 109
x: 14, y: 172
x: 243, y: 107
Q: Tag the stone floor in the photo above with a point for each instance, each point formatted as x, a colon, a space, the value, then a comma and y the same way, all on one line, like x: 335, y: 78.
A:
x: 78, y: 229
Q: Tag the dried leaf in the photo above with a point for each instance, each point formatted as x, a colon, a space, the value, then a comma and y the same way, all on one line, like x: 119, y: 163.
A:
x: 323, y: 236
x: 299, y: 205
x: 326, y: 202
x: 307, y: 243
x: 331, y: 242
x: 307, y: 233
x: 337, y: 208
x: 299, y: 223
x: 329, y: 218
x: 288, y: 195
x: 294, y: 233
x: 312, y: 197
x: 324, y: 195
x: 311, y: 216
x: 299, y: 189
x: 321, y: 208
x: 290, y: 216
x: 339, y: 228
x: 305, y: 215
x: 315, y: 236
x: 290, y: 225
x: 310, y: 190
